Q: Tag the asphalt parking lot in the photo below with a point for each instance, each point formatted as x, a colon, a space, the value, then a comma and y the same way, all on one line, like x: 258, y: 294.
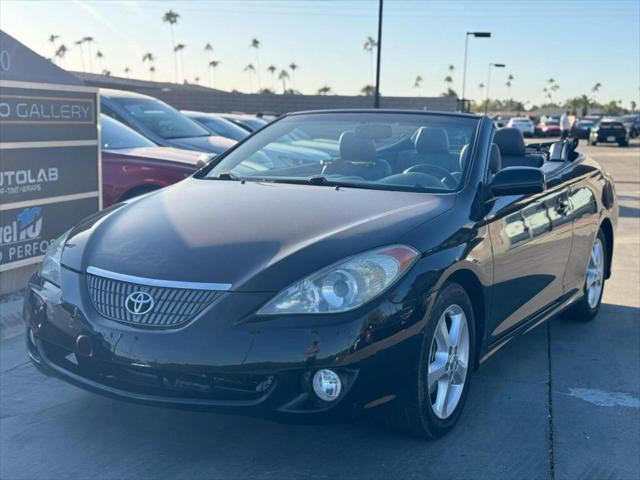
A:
x: 562, y: 402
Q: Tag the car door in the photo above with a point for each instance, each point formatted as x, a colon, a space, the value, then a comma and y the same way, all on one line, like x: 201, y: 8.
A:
x: 531, y: 242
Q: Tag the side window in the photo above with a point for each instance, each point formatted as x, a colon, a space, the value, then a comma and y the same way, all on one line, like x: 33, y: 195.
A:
x: 108, y: 111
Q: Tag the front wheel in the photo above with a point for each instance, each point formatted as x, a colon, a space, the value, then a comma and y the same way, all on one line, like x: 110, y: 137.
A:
x: 587, y: 307
x: 438, y: 385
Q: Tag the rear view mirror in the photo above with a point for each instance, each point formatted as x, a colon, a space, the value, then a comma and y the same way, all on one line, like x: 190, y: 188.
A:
x: 518, y: 181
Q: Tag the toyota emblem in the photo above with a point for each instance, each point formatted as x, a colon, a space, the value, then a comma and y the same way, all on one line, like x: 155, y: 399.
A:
x: 139, y: 303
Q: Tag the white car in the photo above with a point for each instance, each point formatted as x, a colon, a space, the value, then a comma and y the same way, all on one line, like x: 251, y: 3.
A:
x: 523, y: 124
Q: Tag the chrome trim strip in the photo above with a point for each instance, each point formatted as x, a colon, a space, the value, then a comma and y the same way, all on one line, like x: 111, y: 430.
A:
x: 154, y: 282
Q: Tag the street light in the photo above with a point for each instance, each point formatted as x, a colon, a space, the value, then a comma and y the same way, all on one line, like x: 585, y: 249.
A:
x: 376, y: 95
x: 496, y: 65
x: 464, y: 68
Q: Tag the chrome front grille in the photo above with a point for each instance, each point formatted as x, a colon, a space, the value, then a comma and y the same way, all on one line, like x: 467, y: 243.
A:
x: 171, y: 306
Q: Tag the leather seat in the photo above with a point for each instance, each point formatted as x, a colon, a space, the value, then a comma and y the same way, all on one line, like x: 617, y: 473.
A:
x: 358, y: 158
x: 495, y: 159
x: 513, y: 151
x: 431, y: 147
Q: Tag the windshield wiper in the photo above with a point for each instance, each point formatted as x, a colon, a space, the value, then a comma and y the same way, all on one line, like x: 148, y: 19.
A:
x: 229, y: 176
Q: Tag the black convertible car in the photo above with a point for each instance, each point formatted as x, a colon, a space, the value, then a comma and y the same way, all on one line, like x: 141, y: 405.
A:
x: 376, y: 281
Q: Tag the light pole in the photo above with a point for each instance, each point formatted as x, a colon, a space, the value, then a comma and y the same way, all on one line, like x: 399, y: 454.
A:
x: 464, y: 67
x: 496, y: 65
x: 376, y: 95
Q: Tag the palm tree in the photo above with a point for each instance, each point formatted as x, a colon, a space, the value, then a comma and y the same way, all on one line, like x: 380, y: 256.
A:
x: 293, y: 66
x: 250, y: 69
x: 451, y: 70
x: 152, y: 70
x: 417, y: 84
x: 283, y: 75
x: 171, y: 18
x: 79, y: 44
x: 367, y: 90
x: 126, y: 71
x: 213, y: 64
x: 89, y: 41
x: 100, y: 58
x: 272, y: 70
x: 509, y: 84
x: 448, y: 80
x: 209, y: 49
x: 61, y: 52
x: 53, y: 40
x: 255, y: 43
x: 324, y: 90
x: 180, y: 48
x: 633, y: 105
x: 369, y: 45
x: 595, y: 89
x: 148, y: 57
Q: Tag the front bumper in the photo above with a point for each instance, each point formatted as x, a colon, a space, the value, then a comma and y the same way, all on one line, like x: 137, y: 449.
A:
x: 217, y: 362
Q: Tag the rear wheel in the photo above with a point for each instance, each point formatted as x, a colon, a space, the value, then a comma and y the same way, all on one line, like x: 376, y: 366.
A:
x: 438, y: 385
x: 587, y: 307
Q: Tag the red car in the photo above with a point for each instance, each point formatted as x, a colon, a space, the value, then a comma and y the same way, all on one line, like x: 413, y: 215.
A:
x: 550, y: 128
x: 133, y: 165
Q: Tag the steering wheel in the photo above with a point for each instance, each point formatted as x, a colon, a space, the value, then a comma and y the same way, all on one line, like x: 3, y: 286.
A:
x: 435, y: 171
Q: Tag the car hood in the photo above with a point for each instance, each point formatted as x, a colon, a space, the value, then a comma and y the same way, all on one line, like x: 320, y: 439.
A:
x: 254, y: 236
x: 178, y: 155
x: 210, y: 144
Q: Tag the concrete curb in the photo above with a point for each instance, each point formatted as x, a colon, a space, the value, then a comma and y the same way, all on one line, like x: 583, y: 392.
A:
x: 11, y: 323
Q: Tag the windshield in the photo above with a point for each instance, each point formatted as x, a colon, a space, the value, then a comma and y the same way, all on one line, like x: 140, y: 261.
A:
x: 222, y: 127
x: 552, y: 122
x: 386, y: 151
x: 115, y: 135
x: 161, y: 119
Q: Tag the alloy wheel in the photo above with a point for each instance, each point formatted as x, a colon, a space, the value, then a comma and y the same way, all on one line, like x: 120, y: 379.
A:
x: 595, y: 274
x: 448, y: 361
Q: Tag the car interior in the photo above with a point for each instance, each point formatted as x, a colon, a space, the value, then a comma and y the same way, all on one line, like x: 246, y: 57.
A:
x: 409, y: 156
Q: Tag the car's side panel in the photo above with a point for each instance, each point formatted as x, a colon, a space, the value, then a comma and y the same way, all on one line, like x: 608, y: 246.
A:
x: 531, y: 240
x: 588, y: 200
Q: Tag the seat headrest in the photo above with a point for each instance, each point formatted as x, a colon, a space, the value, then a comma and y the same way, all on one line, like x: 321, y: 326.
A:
x: 510, y: 141
x: 357, y: 148
x: 495, y: 159
x: 432, y: 140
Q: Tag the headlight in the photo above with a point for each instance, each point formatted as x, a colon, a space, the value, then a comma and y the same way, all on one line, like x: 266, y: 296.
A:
x: 50, y: 268
x: 345, y: 285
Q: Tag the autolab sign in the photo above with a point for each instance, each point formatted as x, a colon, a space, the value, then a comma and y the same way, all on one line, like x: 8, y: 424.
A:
x: 49, y: 153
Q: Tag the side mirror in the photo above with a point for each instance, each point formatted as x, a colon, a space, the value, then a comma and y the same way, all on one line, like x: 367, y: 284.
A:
x: 518, y: 181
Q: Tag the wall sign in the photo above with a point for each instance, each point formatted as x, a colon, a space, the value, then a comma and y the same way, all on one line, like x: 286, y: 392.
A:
x: 50, y: 160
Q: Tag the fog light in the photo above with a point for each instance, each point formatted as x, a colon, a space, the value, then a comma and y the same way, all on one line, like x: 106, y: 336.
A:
x: 327, y: 385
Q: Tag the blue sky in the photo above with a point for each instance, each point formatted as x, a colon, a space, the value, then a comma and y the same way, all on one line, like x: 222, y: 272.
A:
x: 578, y: 43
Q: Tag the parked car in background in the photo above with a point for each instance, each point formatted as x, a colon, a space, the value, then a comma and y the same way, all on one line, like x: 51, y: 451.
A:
x: 549, y: 127
x: 523, y: 124
x: 159, y: 122
x: 133, y: 165
x: 632, y: 124
x: 609, y: 130
x: 373, y: 283
x: 285, y: 152
x: 218, y: 125
x: 251, y: 123
x: 582, y: 128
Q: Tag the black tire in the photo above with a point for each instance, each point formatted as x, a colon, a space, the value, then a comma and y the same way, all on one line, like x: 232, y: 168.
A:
x: 581, y: 310
x: 411, y: 413
x: 623, y: 143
